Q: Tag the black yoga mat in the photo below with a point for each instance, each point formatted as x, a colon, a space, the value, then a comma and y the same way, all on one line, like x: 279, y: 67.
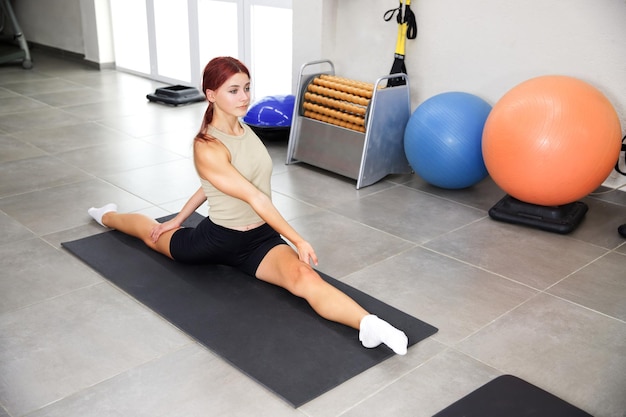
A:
x: 510, y: 396
x: 267, y: 333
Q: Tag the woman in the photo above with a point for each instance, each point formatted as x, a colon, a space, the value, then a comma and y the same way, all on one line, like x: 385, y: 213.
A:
x: 244, y: 228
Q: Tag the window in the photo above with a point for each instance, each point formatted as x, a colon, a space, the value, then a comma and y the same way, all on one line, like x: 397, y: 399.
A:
x: 172, y: 40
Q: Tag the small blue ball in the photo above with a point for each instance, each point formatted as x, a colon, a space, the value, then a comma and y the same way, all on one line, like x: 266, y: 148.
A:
x: 443, y: 140
x: 271, y: 111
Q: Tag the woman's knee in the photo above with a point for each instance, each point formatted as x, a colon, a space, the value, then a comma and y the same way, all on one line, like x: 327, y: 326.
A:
x: 303, y: 279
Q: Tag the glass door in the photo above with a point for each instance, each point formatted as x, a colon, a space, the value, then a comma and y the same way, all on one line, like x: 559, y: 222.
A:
x: 270, y: 47
x: 171, y: 40
x: 130, y: 35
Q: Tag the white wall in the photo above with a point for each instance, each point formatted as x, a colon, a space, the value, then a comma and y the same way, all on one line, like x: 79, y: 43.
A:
x: 78, y: 26
x: 483, y: 47
x: 54, y: 23
x: 96, y: 31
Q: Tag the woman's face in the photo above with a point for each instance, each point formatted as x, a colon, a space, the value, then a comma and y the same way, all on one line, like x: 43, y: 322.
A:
x: 232, y: 97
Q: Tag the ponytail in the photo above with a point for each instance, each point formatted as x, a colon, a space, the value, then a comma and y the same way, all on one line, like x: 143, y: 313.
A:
x: 206, y: 121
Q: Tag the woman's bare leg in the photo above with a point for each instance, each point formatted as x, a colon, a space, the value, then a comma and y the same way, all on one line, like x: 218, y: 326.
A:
x: 282, y: 267
x: 133, y: 224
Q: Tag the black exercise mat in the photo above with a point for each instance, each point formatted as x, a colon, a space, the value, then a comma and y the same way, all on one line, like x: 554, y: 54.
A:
x: 267, y: 333
x: 511, y: 396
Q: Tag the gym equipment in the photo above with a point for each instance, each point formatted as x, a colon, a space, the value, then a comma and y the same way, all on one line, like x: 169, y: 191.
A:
x: 443, y: 139
x: 263, y: 330
x: 349, y: 127
x: 13, y: 45
x: 176, y: 95
x: 548, y: 142
x: 407, y: 29
x: 270, y: 117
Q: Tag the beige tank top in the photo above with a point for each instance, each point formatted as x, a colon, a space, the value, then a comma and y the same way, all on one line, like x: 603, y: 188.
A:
x: 250, y: 157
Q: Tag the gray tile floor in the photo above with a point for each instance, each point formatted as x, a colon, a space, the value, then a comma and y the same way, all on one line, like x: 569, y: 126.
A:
x: 548, y: 308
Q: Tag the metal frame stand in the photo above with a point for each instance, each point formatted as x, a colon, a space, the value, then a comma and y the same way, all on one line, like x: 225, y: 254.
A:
x: 366, y: 157
x: 14, y: 47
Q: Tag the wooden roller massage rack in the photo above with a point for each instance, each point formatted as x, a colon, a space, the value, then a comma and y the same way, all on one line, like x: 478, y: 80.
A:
x: 351, y: 128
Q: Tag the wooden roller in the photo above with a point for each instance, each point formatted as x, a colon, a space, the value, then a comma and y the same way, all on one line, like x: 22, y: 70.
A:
x: 335, y: 104
x: 347, y: 81
x: 337, y: 100
x: 336, y: 114
x: 340, y: 95
x: 337, y: 122
x: 357, y: 91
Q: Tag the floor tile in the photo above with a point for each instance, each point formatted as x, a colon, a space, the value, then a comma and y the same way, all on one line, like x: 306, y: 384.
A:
x: 599, y: 286
x: 370, y: 382
x: 37, y: 272
x: 118, y: 83
x: 189, y: 382
x: 68, y: 138
x: 53, y: 349
x: 610, y: 193
x: 175, y: 206
x: 41, y: 118
x: 12, y: 149
x: 107, y: 109
x: 5, y: 92
x: 599, y: 226
x: 55, y: 209
x: 11, y: 75
x: 344, y: 246
x: 74, y: 233
x: 12, y: 231
x: 457, y: 298
x: 112, y: 158
x: 414, y: 216
x: 42, y: 86
x: 290, y: 208
x: 157, y: 120
x: 550, y: 342
x: 159, y: 183
x: 428, y: 389
x: 17, y: 104
x: 75, y: 96
x: 34, y: 174
x: 320, y: 187
x: 179, y: 142
x: 532, y: 257
x: 482, y: 195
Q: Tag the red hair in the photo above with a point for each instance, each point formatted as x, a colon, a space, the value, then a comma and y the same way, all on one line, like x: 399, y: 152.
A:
x: 216, y: 73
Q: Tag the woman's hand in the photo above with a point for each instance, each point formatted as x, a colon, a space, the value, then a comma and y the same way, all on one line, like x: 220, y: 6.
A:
x: 306, y: 253
x: 161, y: 228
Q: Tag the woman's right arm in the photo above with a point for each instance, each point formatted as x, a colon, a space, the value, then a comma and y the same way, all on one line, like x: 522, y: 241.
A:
x: 215, y: 167
x: 190, y: 206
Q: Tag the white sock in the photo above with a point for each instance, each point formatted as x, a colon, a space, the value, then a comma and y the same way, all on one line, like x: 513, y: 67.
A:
x: 97, y: 213
x: 374, y: 331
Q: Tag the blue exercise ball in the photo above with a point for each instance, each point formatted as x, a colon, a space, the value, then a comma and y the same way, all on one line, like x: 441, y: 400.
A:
x: 443, y: 138
x: 271, y: 111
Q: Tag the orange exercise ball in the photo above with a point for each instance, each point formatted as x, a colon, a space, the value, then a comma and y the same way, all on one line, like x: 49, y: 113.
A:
x: 551, y: 140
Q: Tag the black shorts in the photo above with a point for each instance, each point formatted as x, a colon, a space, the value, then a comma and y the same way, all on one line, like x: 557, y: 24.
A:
x: 209, y: 243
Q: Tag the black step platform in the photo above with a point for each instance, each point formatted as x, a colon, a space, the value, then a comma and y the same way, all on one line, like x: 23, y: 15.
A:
x: 558, y: 219
x: 176, y: 95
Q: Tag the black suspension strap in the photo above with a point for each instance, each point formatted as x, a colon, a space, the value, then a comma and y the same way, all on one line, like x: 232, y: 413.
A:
x: 617, y: 167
